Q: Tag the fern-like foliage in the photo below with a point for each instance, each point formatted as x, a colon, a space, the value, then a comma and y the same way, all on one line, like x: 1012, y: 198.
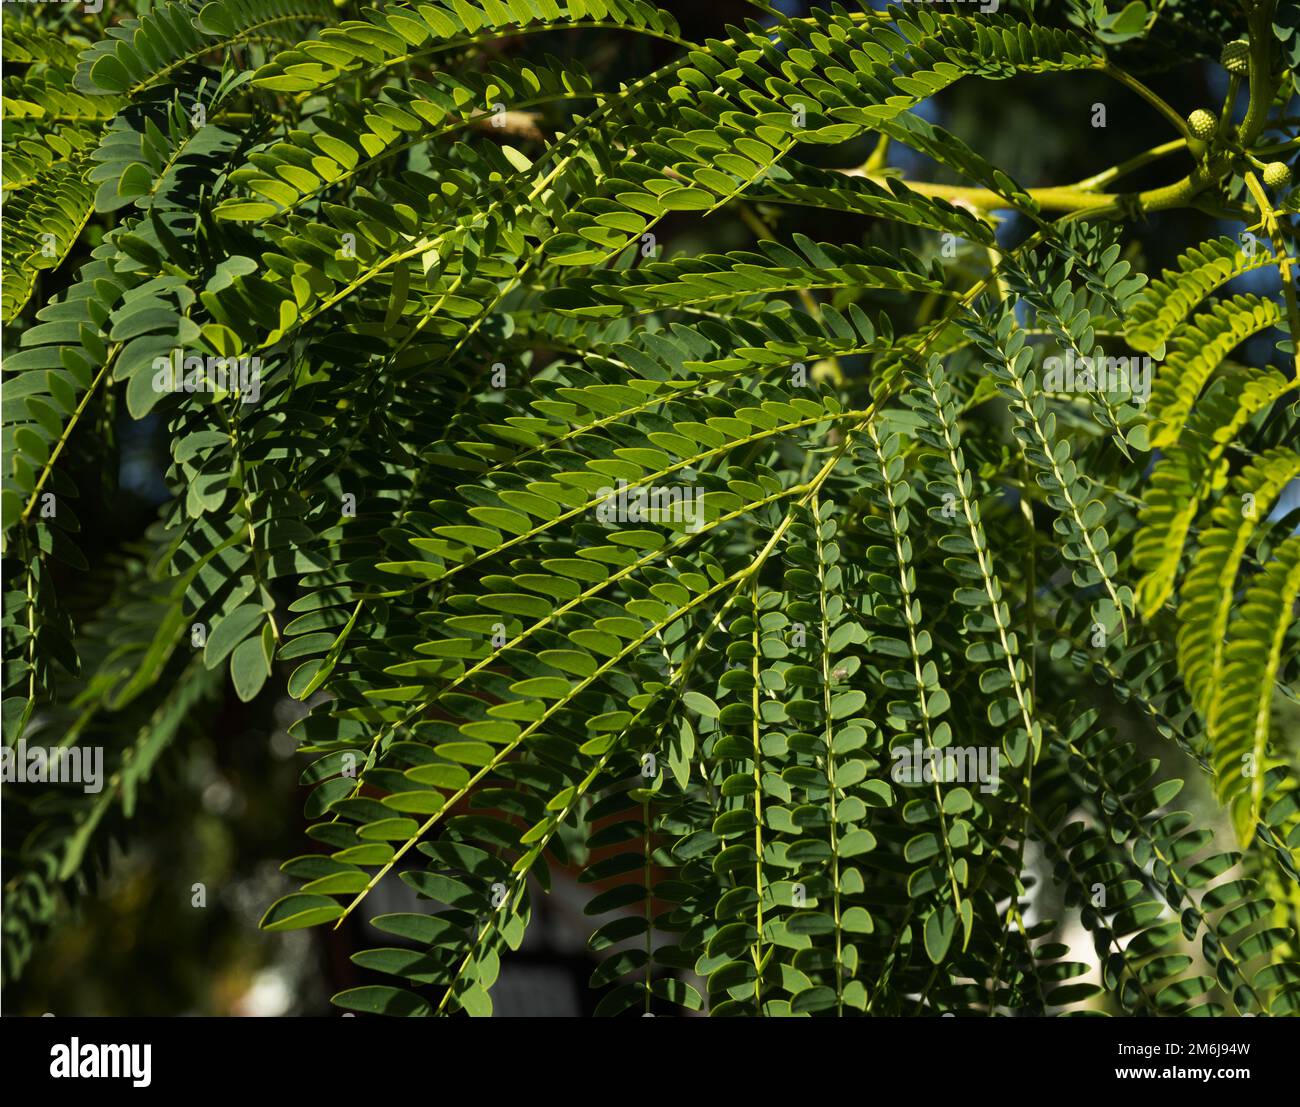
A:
x: 784, y: 593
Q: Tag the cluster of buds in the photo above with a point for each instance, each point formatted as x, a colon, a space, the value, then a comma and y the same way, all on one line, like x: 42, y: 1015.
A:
x: 1205, y: 130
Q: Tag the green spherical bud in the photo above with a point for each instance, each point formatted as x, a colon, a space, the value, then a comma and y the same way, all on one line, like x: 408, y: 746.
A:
x: 1236, y: 57
x: 1277, y: 175
x: 1202, y: 124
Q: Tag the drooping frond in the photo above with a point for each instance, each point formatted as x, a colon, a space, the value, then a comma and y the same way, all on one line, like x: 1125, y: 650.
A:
x: 384, y: 40
x: 1196, y: 353
x: 42, y: 223
x: 150, y: 50
x: 1166, y: 303
x: 1210, y: 585
x: 1239, y: 721
x: 1191, y: 471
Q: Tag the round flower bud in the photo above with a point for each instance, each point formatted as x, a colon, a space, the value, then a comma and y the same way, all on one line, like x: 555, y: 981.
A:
x: 1202, y: 124
x: 1236, y: 57
x: 1277, y: 175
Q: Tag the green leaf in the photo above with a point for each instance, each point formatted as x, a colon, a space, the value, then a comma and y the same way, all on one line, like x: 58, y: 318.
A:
x: 293, y: 912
